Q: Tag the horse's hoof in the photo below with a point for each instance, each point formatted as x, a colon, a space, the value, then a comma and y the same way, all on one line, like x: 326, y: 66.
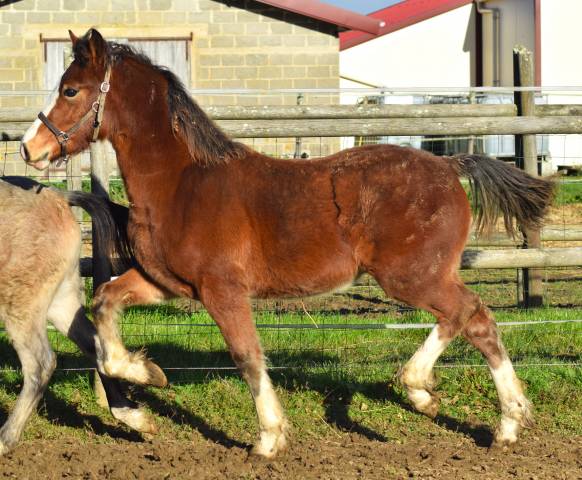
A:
x: 502, y: 445
x: 424, y: 401
x: 136, y: 368
x: 156, y: 376
x: 431, y: 409
x: 136, y: 419
x: 269, y: 445
x: 4, y: 448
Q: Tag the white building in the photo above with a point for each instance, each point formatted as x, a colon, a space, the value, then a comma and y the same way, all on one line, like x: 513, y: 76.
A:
x: 468, y: 43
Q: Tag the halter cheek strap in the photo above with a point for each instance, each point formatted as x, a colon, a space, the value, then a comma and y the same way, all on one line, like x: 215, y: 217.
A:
x: 96, y: 110
x: 99, y: 105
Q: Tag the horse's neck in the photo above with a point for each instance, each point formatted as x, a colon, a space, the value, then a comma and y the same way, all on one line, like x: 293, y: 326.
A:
x: 151, y: 170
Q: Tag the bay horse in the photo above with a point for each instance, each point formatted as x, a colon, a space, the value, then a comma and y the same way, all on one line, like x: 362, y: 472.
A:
x: 213, y: 220
x: 39, y: 280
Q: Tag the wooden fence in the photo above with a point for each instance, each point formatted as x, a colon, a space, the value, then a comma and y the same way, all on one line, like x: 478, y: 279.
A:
x: 350, y: 120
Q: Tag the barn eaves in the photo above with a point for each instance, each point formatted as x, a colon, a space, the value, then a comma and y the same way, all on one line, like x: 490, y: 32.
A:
x: 324, y: 12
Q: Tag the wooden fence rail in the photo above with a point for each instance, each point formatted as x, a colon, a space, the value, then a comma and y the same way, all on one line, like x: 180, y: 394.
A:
x: 377, y: 127
x: 275, y: 112
x: 472, y: 259
x: 377, y: 120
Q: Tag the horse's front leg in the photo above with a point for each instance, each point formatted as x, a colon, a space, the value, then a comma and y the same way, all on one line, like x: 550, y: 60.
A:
x: 227, y: 302
x: 131, y: 288
x: 67, y: 314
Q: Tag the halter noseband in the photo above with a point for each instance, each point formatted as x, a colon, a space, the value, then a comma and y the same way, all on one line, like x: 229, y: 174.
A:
x: 96, y: 109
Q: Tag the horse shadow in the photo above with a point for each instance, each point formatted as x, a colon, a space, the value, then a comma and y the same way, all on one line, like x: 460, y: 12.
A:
x: 65, y: 413
x: 336, y: 389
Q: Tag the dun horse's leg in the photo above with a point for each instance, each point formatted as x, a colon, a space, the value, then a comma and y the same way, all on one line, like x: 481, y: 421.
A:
x: 67, y: 314
x: 131, y: 288
x: 481, y: 332
x: 29, y: 338
x: 232, y: 313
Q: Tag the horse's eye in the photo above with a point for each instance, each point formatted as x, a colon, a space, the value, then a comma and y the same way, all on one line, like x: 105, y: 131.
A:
x: 70, y: 92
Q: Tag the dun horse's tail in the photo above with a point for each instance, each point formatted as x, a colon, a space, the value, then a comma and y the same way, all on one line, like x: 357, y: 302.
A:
x: 109, y: 222
x: 499, y: 189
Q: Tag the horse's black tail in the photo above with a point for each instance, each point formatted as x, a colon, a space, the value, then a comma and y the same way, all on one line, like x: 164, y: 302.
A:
x: 109, y: 224
x: 499, y: 189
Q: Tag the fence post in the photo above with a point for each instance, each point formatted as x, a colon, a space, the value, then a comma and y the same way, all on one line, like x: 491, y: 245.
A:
x: 99, y: 186
x: 101, y: 264
x: 527, y: 159
x: 75, y: 181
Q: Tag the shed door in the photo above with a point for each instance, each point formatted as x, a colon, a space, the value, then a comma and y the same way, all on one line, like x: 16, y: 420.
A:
x: 172, y: 54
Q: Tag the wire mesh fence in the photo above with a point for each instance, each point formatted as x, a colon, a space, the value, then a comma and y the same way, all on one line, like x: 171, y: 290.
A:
x: 361, y: 326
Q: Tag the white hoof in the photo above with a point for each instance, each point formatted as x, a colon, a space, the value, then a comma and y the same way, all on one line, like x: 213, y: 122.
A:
x: 507, y: 432
x: 424, y: 401
x: 136, y: 419
x: 135, y: 368
x: 271, y: 443
x: 4, y: 448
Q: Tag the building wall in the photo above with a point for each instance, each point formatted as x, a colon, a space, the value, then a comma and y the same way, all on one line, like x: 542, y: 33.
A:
x: 517, y: 25
x: 244, y: 45
x: 560, y: 37
x: 436, y: 52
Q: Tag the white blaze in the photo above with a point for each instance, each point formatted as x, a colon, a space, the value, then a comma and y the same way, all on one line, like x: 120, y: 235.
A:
x: 33, y: 129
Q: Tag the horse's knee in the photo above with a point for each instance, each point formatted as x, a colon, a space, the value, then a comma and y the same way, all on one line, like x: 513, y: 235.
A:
x: 105, y: 296
x: 43, y: 371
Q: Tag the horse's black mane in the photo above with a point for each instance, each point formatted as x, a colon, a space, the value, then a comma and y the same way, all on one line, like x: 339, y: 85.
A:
x: 206, y: 142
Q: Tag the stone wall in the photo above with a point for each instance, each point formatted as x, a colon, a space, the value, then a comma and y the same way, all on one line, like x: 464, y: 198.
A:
x: 235, y: 44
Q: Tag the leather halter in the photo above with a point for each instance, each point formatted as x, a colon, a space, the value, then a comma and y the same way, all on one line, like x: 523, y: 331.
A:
x: 97, y: 109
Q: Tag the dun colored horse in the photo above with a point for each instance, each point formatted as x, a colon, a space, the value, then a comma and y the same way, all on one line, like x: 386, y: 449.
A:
x: 39, y: 280
x: 213, y: 220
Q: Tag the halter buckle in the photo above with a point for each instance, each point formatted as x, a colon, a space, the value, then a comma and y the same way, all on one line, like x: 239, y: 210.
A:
x: 95, y: 106
x: 105, y: 86
x: 64, y: 136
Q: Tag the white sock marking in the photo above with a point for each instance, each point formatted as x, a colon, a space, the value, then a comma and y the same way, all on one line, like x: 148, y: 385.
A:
x: 514, y: 405
x: 417, y: 372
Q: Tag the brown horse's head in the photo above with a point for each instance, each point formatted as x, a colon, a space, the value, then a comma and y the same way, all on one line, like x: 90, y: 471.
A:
x: 67, y: 125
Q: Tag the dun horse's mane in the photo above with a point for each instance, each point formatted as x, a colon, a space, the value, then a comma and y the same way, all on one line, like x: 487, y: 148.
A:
x: 206, y: 142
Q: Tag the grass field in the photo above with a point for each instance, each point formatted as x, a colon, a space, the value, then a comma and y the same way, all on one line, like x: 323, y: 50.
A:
x: 331, y: 379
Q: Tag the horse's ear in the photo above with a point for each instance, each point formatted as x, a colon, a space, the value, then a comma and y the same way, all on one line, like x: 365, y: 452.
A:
x: 97, y: 46
x: 73, y: 37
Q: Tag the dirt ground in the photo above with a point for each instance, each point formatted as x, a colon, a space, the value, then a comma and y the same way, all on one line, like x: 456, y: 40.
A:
x: 351, y: 456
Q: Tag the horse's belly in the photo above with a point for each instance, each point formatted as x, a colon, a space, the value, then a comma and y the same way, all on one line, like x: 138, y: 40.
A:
x: 307, y: 275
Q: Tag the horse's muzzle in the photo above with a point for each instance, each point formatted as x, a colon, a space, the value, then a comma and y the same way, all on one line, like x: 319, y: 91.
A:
x: 24, y: 152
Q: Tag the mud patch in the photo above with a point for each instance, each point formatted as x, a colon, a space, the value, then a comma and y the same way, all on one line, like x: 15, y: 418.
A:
x: 350, y: 456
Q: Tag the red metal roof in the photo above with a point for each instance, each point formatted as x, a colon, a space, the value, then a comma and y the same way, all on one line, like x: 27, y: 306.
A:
x: 401, y: 15
x: 330, y: 14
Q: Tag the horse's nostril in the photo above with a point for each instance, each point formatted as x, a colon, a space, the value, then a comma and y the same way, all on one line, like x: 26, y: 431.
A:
x: 24, y: 152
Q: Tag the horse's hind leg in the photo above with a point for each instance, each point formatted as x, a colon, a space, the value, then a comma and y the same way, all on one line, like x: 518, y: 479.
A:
x: 67, y: 314
x: 29, y: 338
x: 458, y: 310
x: 481, y: 332
x: 128, y: 289
x: 452, y: 308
